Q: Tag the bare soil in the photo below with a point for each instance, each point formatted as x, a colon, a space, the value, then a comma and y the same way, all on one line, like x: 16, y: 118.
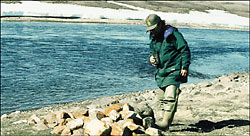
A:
x: 219, y: 107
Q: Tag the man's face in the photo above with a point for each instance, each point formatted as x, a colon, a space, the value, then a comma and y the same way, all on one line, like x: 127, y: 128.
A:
x: 157, y: 30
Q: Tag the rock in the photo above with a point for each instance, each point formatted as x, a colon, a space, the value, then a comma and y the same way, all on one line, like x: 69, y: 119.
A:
x: 15, y: 113
x: 33, y: 119
x: 144, y: 110
x: 118, y: 130
x: 85, y: 119
x: 79, y: 113
x: 205, y: 84
x: 129, y: 123
x: 78, y: 132
x: 20, y: 121
x: 218, y: 87
x: 131, y: 115
x: 4, y: 116
x: 68, y: 120
x: 127, y: 107
x: 40, y: 126
x: 225, y: 79
x: 58, y: 130
x: 62, y: 122
x: 148, y: 122
x: 153, y: 131
x: 97, y: 127
x: 66, y: 132
x: 114, y: 115
x: 96, y: 114
x: 64, y: 115
x: 139, y: 131
x: 107, y: 120
x: 51, y: 120
x: 117, y: 107
x: 127, y: 114
x: 76, y: 123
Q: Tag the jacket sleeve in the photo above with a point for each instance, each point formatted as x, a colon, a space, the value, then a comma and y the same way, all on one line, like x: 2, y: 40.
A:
x: 151, y: 48
x: 183, y: 49
x: 151, y: 45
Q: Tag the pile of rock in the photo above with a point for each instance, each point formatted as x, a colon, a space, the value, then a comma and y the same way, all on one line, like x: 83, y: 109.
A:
x: 115, y: 119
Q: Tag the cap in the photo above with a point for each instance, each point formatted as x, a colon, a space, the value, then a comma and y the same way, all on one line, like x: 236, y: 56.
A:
x: 152, y: 21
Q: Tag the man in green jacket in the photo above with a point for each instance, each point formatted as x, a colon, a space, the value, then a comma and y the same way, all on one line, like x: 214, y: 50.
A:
x: 170, y: 53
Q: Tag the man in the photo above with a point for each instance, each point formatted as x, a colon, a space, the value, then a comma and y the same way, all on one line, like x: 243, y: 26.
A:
x: 170, y: 53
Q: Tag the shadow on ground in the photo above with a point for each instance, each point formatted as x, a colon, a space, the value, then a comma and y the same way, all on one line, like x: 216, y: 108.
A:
x: 208, y: 126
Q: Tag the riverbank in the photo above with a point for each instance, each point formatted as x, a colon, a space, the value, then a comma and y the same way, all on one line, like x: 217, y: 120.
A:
x: 114, y: 21
x: 219, y: 107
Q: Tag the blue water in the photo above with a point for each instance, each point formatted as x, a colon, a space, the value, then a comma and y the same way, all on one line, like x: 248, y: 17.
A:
x: 45, y: 63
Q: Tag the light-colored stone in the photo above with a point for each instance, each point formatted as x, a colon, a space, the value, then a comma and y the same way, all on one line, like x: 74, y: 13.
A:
x: 15, y: 113
x: 225, y: 79
x: 127, y: 107
x: 68, y: 120
x: 205, y: 84
x: 78, y: 132
x: 144, y: 110
x: 4, y: 116
x: 33, y: 119
x: 66, y: 132
x: 131, y: 115
x: 20, y: 121
x: 52, y: 125
x: 40, y: 126
x: 58, y: 130
x: 51, y: 119
x: 96, y: 114
x: 114, y: 115
x: 107, y: 120
x: 129, y: 123
x: 64, y: 115
x: 62, y: 122
x: 85, y: 119
x: 117, y: 129
x: 127, y: 114
x: 117, y: 107
x: 153, y: 131
x: 79, y: 113
x: 74, y: 124
x: 97, y: 127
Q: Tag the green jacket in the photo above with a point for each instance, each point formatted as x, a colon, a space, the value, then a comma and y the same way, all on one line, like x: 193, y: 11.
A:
x: 173, y: 55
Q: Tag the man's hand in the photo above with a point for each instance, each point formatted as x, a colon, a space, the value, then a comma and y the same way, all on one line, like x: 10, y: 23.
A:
x: 152, y: 60
x: 184, y: 72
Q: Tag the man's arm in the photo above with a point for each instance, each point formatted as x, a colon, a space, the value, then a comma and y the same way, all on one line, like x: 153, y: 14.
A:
x: 184, y: 50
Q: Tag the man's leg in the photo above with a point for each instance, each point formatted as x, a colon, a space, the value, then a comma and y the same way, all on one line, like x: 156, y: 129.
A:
x: 168, y: 100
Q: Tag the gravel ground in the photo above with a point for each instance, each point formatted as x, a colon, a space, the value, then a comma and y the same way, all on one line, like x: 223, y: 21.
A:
x: 219, y: 107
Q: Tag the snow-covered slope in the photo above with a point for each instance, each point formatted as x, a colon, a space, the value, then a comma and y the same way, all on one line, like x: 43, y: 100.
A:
x: 33, y: 8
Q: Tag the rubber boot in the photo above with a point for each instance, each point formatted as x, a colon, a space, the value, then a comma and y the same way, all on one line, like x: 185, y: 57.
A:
x: 171, y: 95
x: 166, y: 121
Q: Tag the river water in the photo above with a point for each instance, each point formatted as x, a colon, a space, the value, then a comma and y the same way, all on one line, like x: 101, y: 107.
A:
x: 48, y: 63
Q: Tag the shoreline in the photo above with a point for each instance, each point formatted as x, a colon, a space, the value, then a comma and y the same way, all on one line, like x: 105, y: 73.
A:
x: 185, y: 86
x: 223, y: 99
x: 112, y: 21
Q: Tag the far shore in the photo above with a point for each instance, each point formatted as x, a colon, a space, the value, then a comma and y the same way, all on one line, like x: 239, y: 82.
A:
x: 114, y: 21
